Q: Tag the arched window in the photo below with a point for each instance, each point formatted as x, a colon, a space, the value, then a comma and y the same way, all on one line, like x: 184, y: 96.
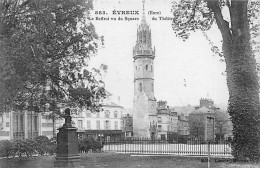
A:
x: 146, y: 67
x: 152, y: 87
x: 151, y: 68
x: 140, y: 86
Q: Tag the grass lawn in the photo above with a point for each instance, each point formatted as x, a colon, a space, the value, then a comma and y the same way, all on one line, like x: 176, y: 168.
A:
x: 113, y: 160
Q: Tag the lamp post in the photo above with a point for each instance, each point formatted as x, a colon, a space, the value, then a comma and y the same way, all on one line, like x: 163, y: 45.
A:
x: 100, y: 137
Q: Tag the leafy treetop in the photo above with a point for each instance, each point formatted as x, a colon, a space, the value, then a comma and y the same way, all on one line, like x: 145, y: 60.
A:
x: 45, y: 46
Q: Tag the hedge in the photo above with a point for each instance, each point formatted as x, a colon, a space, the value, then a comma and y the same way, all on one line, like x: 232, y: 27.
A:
x: 39, y: 145
x: 90, y: 143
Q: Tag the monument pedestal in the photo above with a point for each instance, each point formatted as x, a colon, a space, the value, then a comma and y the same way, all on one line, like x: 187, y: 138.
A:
x: 67, y: 145
x: 67, y: 162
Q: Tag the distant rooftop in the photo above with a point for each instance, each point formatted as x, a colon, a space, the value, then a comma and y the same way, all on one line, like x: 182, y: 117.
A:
x: 203, y: 110
x: 186, y: 110
x: 109, y: 102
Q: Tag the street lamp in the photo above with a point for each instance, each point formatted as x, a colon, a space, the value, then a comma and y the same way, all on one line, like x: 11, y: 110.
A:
x: 100, y: 138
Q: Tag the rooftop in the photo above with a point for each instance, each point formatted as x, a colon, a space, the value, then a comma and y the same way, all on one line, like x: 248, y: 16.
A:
x: 203, y: 110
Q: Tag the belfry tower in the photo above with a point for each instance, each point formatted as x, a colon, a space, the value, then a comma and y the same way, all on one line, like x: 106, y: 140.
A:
x: 144, y: 109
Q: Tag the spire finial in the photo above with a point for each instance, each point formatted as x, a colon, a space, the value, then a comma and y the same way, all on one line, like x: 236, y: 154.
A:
x: 143, y: 18
x: 143, y: 6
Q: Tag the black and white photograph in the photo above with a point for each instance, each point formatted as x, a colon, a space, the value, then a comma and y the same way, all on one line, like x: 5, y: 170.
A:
x: 129, y: 84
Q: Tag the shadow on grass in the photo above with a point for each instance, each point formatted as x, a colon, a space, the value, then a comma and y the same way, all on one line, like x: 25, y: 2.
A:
x: 114, y: 160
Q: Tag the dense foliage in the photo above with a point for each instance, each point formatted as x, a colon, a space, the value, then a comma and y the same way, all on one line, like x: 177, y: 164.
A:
x: 40, y: 145
x: 196, y: 126
x: 45, y: 145
x: 223, y: 125
x: 90, y: 143
x: 44, y: 47
x: 238, y: 29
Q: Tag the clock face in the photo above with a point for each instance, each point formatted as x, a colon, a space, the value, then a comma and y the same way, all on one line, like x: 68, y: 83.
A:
x: 152, y: 106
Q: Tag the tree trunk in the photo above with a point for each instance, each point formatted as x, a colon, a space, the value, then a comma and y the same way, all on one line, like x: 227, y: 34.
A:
x: 54, y: 127
x: 242, y: 79
x: 243, y: 89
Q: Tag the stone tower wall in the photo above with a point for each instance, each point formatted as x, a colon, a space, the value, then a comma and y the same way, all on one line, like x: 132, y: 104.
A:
x: 141, y: 122
x: 144, y: 100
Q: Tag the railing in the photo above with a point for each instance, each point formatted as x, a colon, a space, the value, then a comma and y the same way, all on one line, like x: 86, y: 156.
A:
x: 32, y: 134
x: 18, y: 135
x: 143, y: 52
x: 181, y: 147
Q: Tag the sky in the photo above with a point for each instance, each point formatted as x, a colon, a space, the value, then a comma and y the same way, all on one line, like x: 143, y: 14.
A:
x: 175, y: 60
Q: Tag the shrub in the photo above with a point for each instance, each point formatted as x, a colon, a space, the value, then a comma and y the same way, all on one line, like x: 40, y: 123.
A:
x: 42, y: 144
x: 7, y: 148
x: 42, y: 139
x: 53, y: 140
x: 27, y: 146
x: 52, y: 146
x: 182, y: 139
x: 30, y: 146
x: 90, y: 143
x: 19, y: 147
x: 45, y: 145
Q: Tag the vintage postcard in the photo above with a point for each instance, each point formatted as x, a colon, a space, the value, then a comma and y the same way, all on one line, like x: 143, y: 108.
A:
x: 170, y: 81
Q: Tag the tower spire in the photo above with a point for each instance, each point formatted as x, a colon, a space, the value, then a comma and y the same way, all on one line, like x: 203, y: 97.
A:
x: 144, y: 41
x: 143, y: 6
x: 143, y: 17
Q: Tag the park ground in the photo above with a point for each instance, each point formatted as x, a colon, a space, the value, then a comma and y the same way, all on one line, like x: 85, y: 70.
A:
x: 115, y: 160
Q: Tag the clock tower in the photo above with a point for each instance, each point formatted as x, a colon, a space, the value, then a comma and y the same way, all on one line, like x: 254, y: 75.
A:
x: 144, y: 109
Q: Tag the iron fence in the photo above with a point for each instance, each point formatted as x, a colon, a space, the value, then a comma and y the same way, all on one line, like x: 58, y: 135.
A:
x: 184, y: 146
x: 18, y: 135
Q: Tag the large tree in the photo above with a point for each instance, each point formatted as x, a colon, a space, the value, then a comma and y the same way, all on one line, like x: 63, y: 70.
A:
x: 241, y: 70
x: 44, y: 47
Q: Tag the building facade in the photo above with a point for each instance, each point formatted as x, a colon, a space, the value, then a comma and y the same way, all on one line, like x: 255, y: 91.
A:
x: 24, y: 124
x: 183, y: 125
x: 144, y: 103
x: 202, y: 120
x: 167, y: 121
x: 106, y: 124
x: 128, y: 126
